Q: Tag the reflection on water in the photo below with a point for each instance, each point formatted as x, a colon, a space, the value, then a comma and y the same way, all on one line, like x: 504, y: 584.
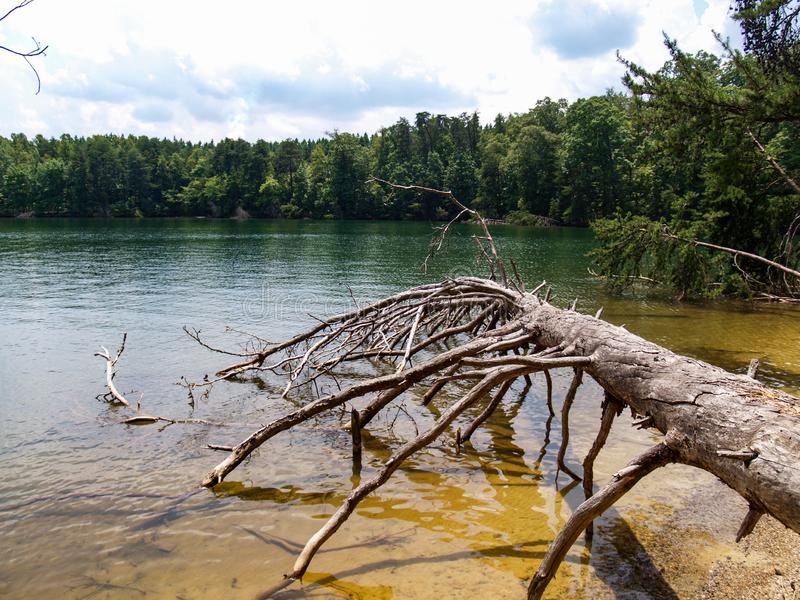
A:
x: 90, y: 508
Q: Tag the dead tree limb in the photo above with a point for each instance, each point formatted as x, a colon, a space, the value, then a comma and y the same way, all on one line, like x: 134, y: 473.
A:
x: 611, y: 408
x: 485, y: 414
x: 735, y: 252
x: 549, y: 381
x: 341, y: 515
x: 748, y: 524
x: 114, y: 395
x: 26, y: 55
x: 493, y: 256
x: 620, y: 483
x: 567, y: 406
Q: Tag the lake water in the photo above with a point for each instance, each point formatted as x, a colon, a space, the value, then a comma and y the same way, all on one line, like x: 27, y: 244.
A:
x: 91, y: 508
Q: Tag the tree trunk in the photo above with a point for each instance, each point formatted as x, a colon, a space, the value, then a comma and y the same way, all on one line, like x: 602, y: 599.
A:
x: 709, y: 411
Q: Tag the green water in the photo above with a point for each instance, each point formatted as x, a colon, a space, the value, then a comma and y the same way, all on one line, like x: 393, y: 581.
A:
x: 90, y: 508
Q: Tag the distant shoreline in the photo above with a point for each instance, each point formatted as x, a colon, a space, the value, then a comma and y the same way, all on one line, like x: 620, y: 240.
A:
x: 543, y: 223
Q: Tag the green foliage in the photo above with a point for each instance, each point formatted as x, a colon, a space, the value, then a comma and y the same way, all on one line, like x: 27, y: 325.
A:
x: 771, y: 33
x: 703, y: 121
x: 635, y: 250
x: 528, y: 162
x: 596, y: 147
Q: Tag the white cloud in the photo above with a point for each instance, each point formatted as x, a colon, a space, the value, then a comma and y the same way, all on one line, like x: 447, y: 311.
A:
x: 201, y: 70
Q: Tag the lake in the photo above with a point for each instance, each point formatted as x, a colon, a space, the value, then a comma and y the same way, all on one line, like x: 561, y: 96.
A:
x: 92, y: 508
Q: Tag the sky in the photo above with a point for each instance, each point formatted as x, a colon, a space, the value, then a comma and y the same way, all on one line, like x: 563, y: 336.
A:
x: 201, y: 70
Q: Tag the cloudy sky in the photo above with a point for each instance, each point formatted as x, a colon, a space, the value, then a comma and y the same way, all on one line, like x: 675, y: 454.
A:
x: 203, y: 70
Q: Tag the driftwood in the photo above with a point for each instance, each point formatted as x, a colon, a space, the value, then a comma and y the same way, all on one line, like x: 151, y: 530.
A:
x: 144, y: 419
x: 487, y: 334
x: 113, y: 395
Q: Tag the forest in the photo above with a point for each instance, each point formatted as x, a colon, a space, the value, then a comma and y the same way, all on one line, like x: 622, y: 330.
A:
x: 702, y: 149
x: 573, y: 163
x: 517, y: 164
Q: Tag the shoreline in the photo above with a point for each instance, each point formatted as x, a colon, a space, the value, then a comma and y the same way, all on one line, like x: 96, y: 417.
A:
x: 686, y: 550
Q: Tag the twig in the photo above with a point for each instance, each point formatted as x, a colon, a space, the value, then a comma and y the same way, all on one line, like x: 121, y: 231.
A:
x: 38, y: 49
x: 494, y: 261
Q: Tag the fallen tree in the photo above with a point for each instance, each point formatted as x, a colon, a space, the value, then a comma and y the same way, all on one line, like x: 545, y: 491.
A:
x: 489, y: 333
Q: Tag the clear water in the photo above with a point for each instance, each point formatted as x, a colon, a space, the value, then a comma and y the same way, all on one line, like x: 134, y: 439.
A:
x: 91, y: 508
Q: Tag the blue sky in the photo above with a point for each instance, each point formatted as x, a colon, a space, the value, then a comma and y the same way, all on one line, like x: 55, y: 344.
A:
x: 202, y: 70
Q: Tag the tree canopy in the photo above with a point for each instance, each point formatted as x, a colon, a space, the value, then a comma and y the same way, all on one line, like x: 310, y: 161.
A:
x: 725, y: 132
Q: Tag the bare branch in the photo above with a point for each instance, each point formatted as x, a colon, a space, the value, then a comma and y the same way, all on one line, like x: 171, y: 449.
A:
x: 611, y: 407
x: 352, y: 501
x: 22, y: 4
x: 624, y: 480
x: 493, y: 261
x: 735, y: 252
x: 114, y: 394
x: 26, y: 55
x: 568, y: 399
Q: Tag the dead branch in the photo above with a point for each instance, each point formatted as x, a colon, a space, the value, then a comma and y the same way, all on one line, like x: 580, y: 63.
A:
x: 620, y: 483
x: 219, y: 447
x: 751, y: 519
x: 410, y: 376
x: 610, y: 408
x: 463, y: 438
x: 144, y: 419
x: 734, y: 251
x: 195, y: 335
x: 549, y: 381
x: 349, y: 505
x: 567, y: 406
x: 113, y: 395
x: 494, y: 261
x: 141, y: 418
x: 26, y: 55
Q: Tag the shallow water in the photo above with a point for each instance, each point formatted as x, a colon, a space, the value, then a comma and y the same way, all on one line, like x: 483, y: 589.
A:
x: 90, y: 508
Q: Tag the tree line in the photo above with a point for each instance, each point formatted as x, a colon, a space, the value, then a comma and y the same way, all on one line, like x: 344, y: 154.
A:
x: 574, y: 163
x: 517, y: 163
